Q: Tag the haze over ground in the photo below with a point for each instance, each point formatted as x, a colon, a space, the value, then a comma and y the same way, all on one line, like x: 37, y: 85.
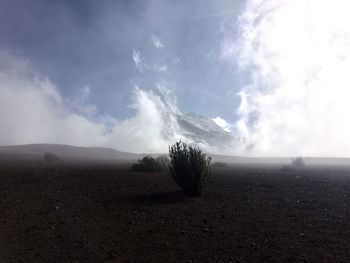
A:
x: 116, y: 74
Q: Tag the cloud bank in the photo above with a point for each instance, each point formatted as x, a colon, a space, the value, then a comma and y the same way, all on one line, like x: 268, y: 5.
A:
x: 295, y: 57
x: 156, y: 41
x: 33, y: 111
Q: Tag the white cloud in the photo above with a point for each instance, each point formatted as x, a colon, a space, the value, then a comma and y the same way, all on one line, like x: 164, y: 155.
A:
x: 85, y: 93
x: 176, y: 60
x: 156, y: 41
x: 136, y: 56
x: 222, y: 123
x: 162, y: 69
x: 33, y: 111
x: 151, y: 129
x: 81, y: 102
x: 298, y: 54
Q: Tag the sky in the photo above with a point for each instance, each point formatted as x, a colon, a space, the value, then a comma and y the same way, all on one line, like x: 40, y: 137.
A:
x: 79, y: 44
x: 113, y: 73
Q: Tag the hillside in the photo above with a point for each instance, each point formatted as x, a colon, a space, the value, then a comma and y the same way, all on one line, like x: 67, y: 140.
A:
x: 67, y: 152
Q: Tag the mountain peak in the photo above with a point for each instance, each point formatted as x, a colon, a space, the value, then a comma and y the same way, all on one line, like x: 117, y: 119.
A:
x: 203, y: 132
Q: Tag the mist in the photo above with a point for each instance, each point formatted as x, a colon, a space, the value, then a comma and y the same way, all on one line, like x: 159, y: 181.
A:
x: 295, y: 58
x: 33, y: 111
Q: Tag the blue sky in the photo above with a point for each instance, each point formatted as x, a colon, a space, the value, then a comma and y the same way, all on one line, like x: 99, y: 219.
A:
x: 91, y: 43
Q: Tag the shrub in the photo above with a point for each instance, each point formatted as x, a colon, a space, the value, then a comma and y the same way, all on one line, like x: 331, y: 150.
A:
x: 298, y: 162
x: 147, y: 164
x: 189, y: 167
x: 287, y: 168
x: 50, y: 157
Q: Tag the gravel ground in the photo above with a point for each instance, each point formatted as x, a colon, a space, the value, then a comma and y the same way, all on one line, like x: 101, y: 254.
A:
x: 74, y: 212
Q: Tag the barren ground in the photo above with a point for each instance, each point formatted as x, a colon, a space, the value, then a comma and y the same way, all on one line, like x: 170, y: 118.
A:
x: 70, y: 212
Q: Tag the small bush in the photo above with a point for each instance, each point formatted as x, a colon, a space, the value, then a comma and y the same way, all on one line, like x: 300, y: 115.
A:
x: 287, y: 168
x: 298, y: 162
x: 50, y: 157
x: 147, y: 164
x: 189, y: 167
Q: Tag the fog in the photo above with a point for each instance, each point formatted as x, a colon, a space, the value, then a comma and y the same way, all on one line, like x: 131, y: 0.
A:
x: 295, y: 56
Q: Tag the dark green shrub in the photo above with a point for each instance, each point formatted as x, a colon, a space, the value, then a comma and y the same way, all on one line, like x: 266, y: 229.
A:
x: 189, y: 167
x: 147, y: 164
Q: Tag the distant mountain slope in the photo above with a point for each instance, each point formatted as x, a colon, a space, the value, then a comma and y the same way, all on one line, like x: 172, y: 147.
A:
x: 205, y: 133
x: 68, y: 152
x: 197, y: 130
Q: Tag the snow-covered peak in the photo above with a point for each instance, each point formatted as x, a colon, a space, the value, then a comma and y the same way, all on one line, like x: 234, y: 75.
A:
x: 203, y: 132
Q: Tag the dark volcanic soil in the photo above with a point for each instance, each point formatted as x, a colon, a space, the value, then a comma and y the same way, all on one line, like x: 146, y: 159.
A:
x: 105, y: 213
